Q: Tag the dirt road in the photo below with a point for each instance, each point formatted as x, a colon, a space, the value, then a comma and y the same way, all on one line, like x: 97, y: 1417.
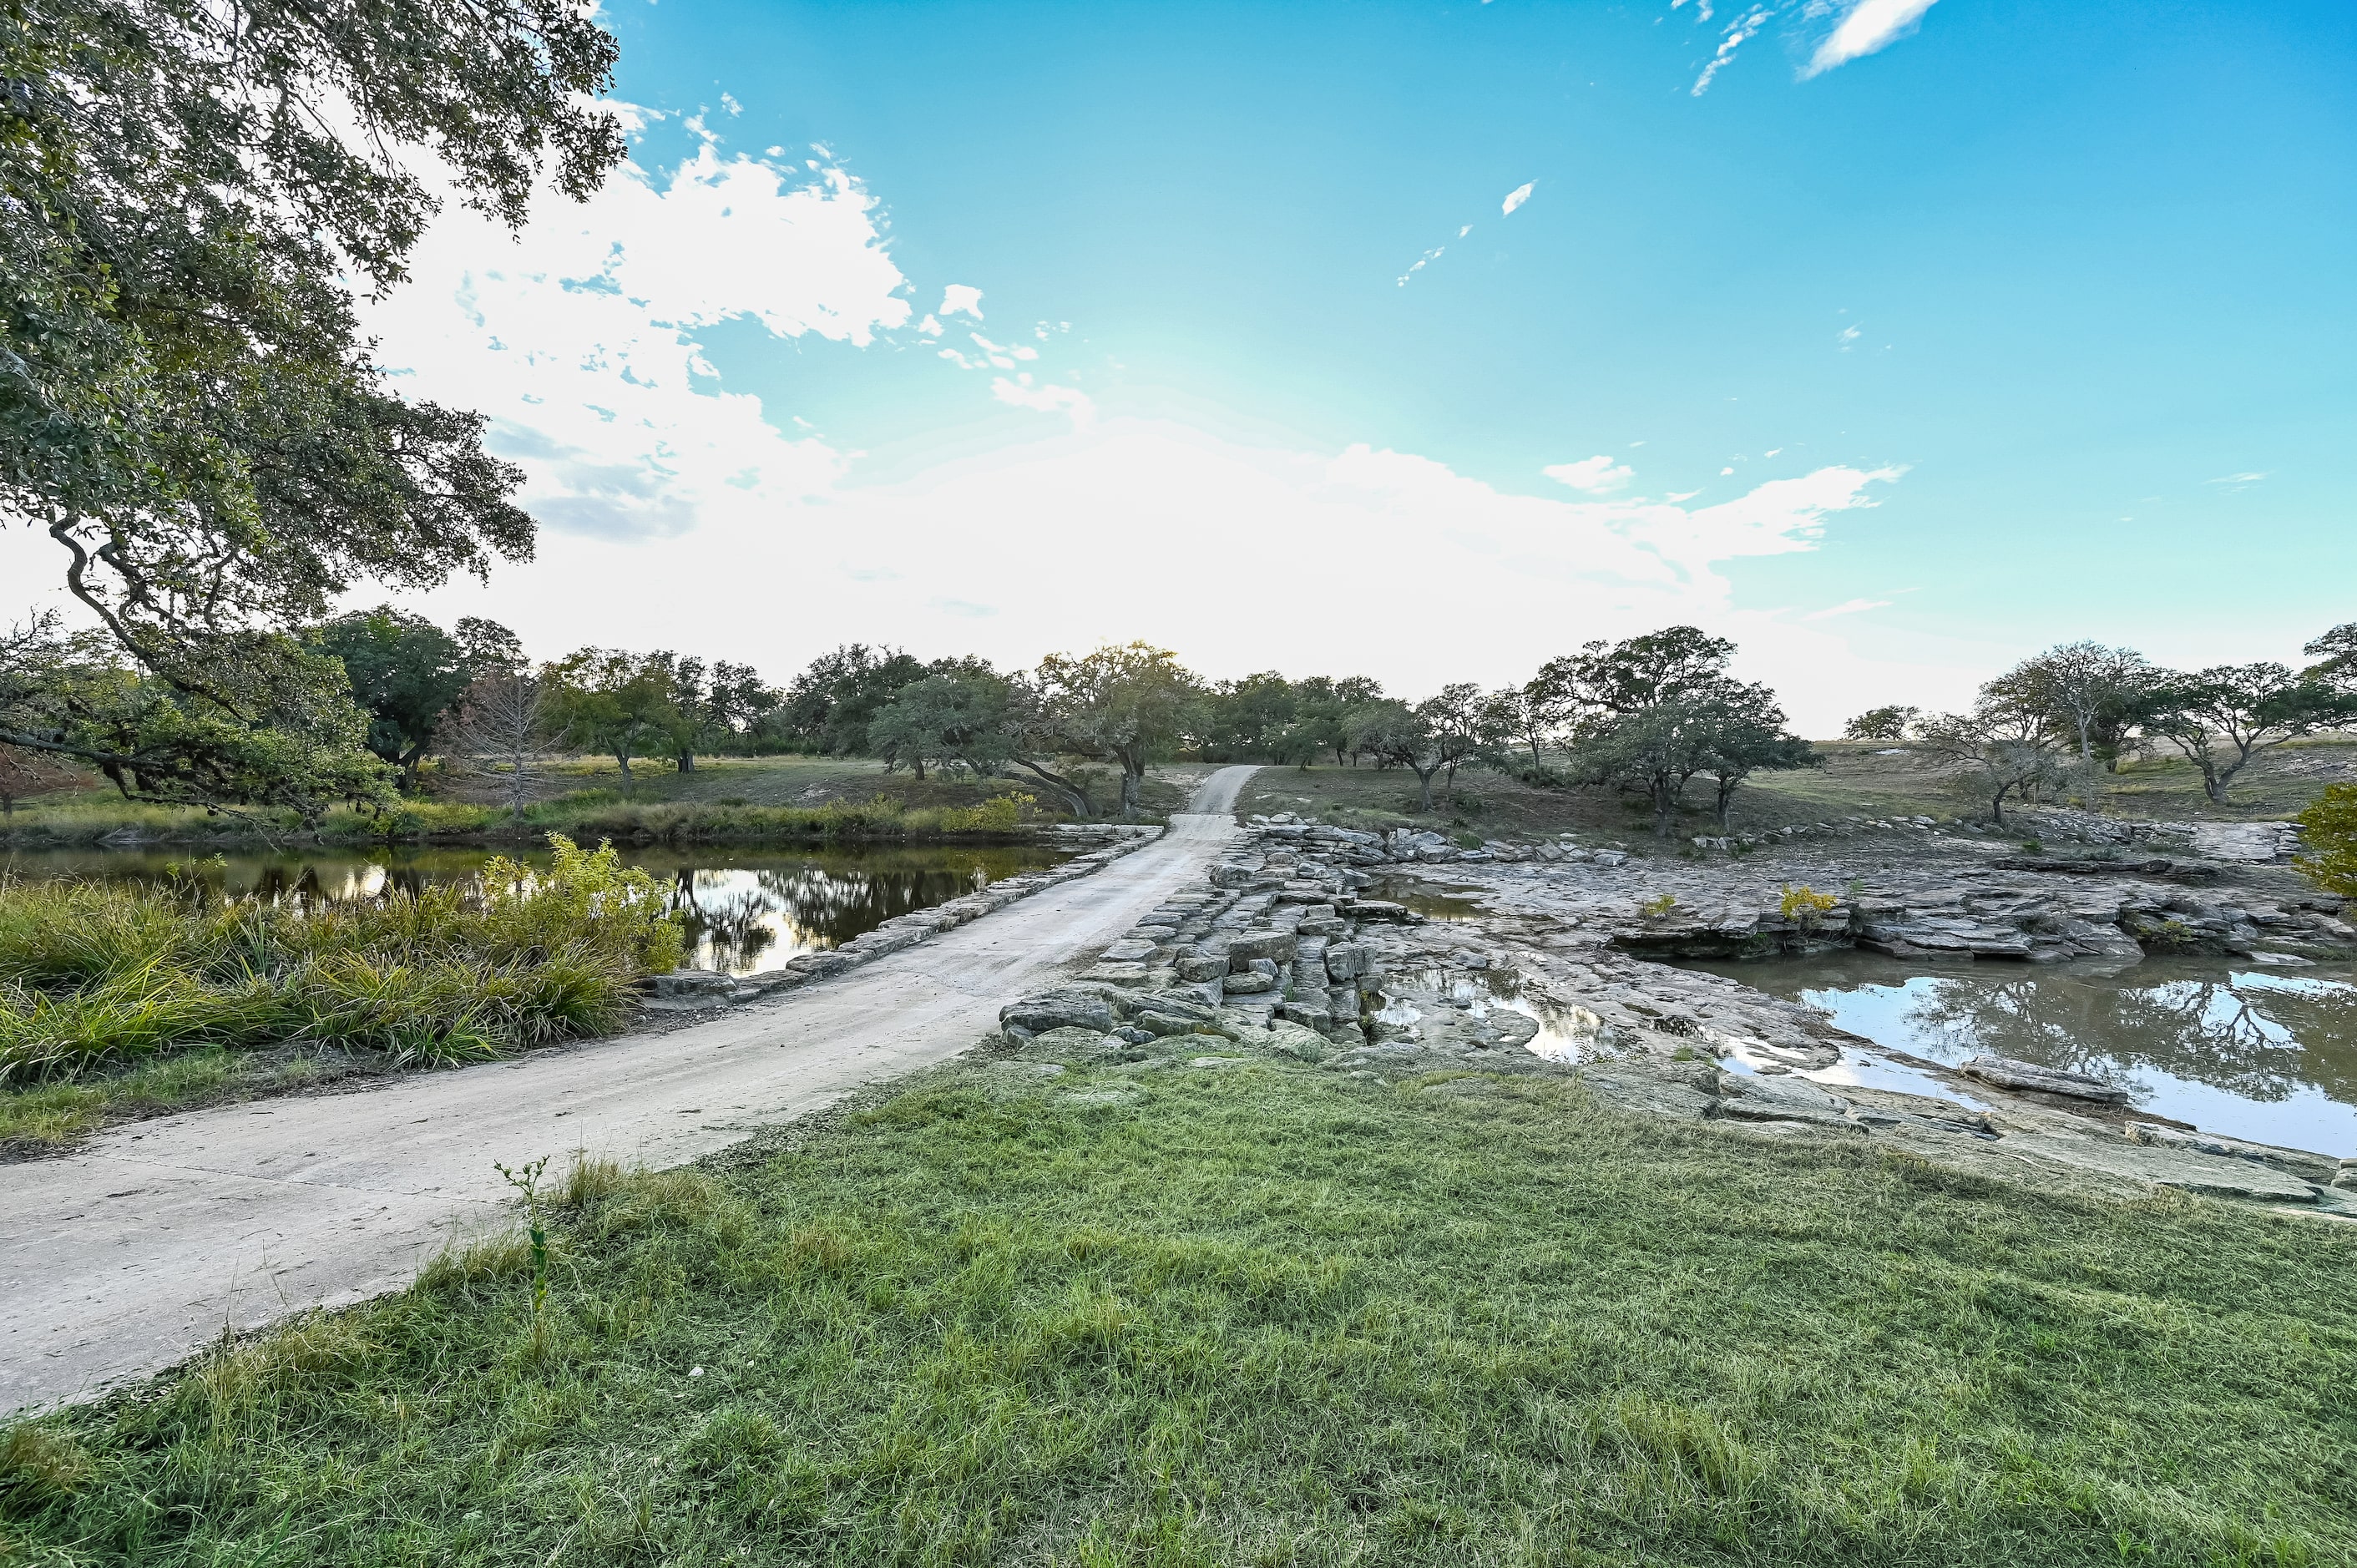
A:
x: 125, y: 1257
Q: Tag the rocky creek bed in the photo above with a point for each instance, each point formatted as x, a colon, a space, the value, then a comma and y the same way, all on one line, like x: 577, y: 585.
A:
x: 1283, y: 955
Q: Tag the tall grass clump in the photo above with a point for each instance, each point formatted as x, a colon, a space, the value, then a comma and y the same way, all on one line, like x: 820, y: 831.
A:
x: 101, y: 974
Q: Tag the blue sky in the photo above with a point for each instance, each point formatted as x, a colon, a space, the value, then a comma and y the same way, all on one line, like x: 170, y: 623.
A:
x: 1980, y: 327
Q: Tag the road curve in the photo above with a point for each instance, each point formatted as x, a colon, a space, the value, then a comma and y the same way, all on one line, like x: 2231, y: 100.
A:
x: 125, y: 1257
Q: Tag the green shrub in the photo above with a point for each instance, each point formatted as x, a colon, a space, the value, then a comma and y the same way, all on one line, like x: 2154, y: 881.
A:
x: 2329, y: 828
x: 108, y: 972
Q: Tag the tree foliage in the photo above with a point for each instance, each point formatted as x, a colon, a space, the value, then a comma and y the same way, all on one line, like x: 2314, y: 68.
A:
x: 1130, y: 705
x: 185, y: 407
x: 2219, y: 718
x: 1881, y: 724
x: 2084, y: 689
x: 408, y: 673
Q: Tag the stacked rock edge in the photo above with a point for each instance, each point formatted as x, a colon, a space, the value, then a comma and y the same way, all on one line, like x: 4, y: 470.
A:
x: 1279, y: 957
x: 1101, y: 845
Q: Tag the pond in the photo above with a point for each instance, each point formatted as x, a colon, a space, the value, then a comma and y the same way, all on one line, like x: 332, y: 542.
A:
x: 746, y: 909
x: 2264, y: 1054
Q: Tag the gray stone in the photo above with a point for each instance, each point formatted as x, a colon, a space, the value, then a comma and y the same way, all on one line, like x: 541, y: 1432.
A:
x: 1129, y: 952
x: 1208, y: 967
x: 1267, y: 944
x: 1248, y: 983
x: 2192, y: 1172
x: 680, y: 984
x: 2318, y: 1168
x: 2007, y: 1073
x: 1057, y: 1010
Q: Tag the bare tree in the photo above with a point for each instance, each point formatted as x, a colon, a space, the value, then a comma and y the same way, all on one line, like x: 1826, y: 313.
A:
x: 1999, y: 747
x: 503, y: 734
x: 2092, y: 689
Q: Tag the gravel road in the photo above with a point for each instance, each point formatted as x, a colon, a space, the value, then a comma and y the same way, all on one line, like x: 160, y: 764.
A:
x: 125, y: 1257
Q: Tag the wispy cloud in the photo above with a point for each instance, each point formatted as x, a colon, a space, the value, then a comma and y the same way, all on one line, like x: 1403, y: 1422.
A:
x: 1739, y: 30
x: 1869, y: 26
x: 1595, y: 476
x: 1421, y: 263
x: 1515, y: 199
x: 1847, y: 607
x: 1046, y: 398
x: 2238, y: 481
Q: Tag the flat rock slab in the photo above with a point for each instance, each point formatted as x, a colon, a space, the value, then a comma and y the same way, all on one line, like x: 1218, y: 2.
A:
x: 2206, y: 1174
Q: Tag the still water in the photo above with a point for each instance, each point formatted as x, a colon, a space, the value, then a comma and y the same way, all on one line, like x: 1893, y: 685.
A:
x: 2270, y: 1055
x: 744, y: 910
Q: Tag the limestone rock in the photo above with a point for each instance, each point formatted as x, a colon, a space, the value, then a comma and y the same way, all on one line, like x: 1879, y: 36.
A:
x: 2007, y: 1073
x: 1058, y: 1009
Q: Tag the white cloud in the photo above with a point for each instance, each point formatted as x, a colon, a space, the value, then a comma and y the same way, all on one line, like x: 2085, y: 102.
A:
x: 1594, y: 474
x: 1869, y: 26
x: 1048, y: 398
x: 1738, y: 31
x: 1847, y: 607
x: 1234, y: 553
x: 1515, y: 199
x: 957, y: 298
x: 2238, y: 481
x: 1419, y: 265
x: 580, y: 337
x: 930, y: 326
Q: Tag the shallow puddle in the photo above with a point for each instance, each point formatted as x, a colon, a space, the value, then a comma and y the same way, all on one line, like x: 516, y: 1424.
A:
x: 2270, y: 1055
x: 1567, y: 1033
x: 746, y: 910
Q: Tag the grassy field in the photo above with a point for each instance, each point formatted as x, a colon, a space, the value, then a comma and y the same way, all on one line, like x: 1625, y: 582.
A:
x: 725, y: 799
x: 1266, y: 1315
x: 1855, y: 781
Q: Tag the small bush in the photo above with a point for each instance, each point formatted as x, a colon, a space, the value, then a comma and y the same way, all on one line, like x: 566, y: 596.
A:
x: 108, y: 972
x: 2329, y: 829
x: 1804, y: 907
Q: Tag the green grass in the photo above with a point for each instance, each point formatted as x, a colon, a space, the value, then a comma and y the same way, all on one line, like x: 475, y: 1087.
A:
x: 1855, y: 782
x: 724, y: 800
x: 1268, y: 1316
x: 97, y: 976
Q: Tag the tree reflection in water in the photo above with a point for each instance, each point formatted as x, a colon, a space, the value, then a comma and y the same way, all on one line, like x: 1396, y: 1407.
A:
x: 744, y: 911
x: 2265, y: 1037
x: 740, y: 920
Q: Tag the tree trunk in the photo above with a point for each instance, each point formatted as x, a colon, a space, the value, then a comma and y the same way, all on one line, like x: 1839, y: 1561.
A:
x: 1129, y: 783
x: 1996, y: 805
x: 919, y: 765
x: 1424, y: 777
x: 623, y: 759
x: 687, y: 762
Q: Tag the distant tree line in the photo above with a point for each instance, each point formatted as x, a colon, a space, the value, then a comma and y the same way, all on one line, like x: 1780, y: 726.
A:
x: 2052, y: 721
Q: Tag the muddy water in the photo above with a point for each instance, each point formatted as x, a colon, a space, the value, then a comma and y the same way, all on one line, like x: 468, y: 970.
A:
x: 2234, y: 1048
x: 744, y: 910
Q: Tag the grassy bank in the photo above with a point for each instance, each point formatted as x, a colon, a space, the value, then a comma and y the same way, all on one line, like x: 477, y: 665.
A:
x: 1266, y: 1315
x: 726, y: 801
x: 110, y: 990
x: 1860, y: 779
